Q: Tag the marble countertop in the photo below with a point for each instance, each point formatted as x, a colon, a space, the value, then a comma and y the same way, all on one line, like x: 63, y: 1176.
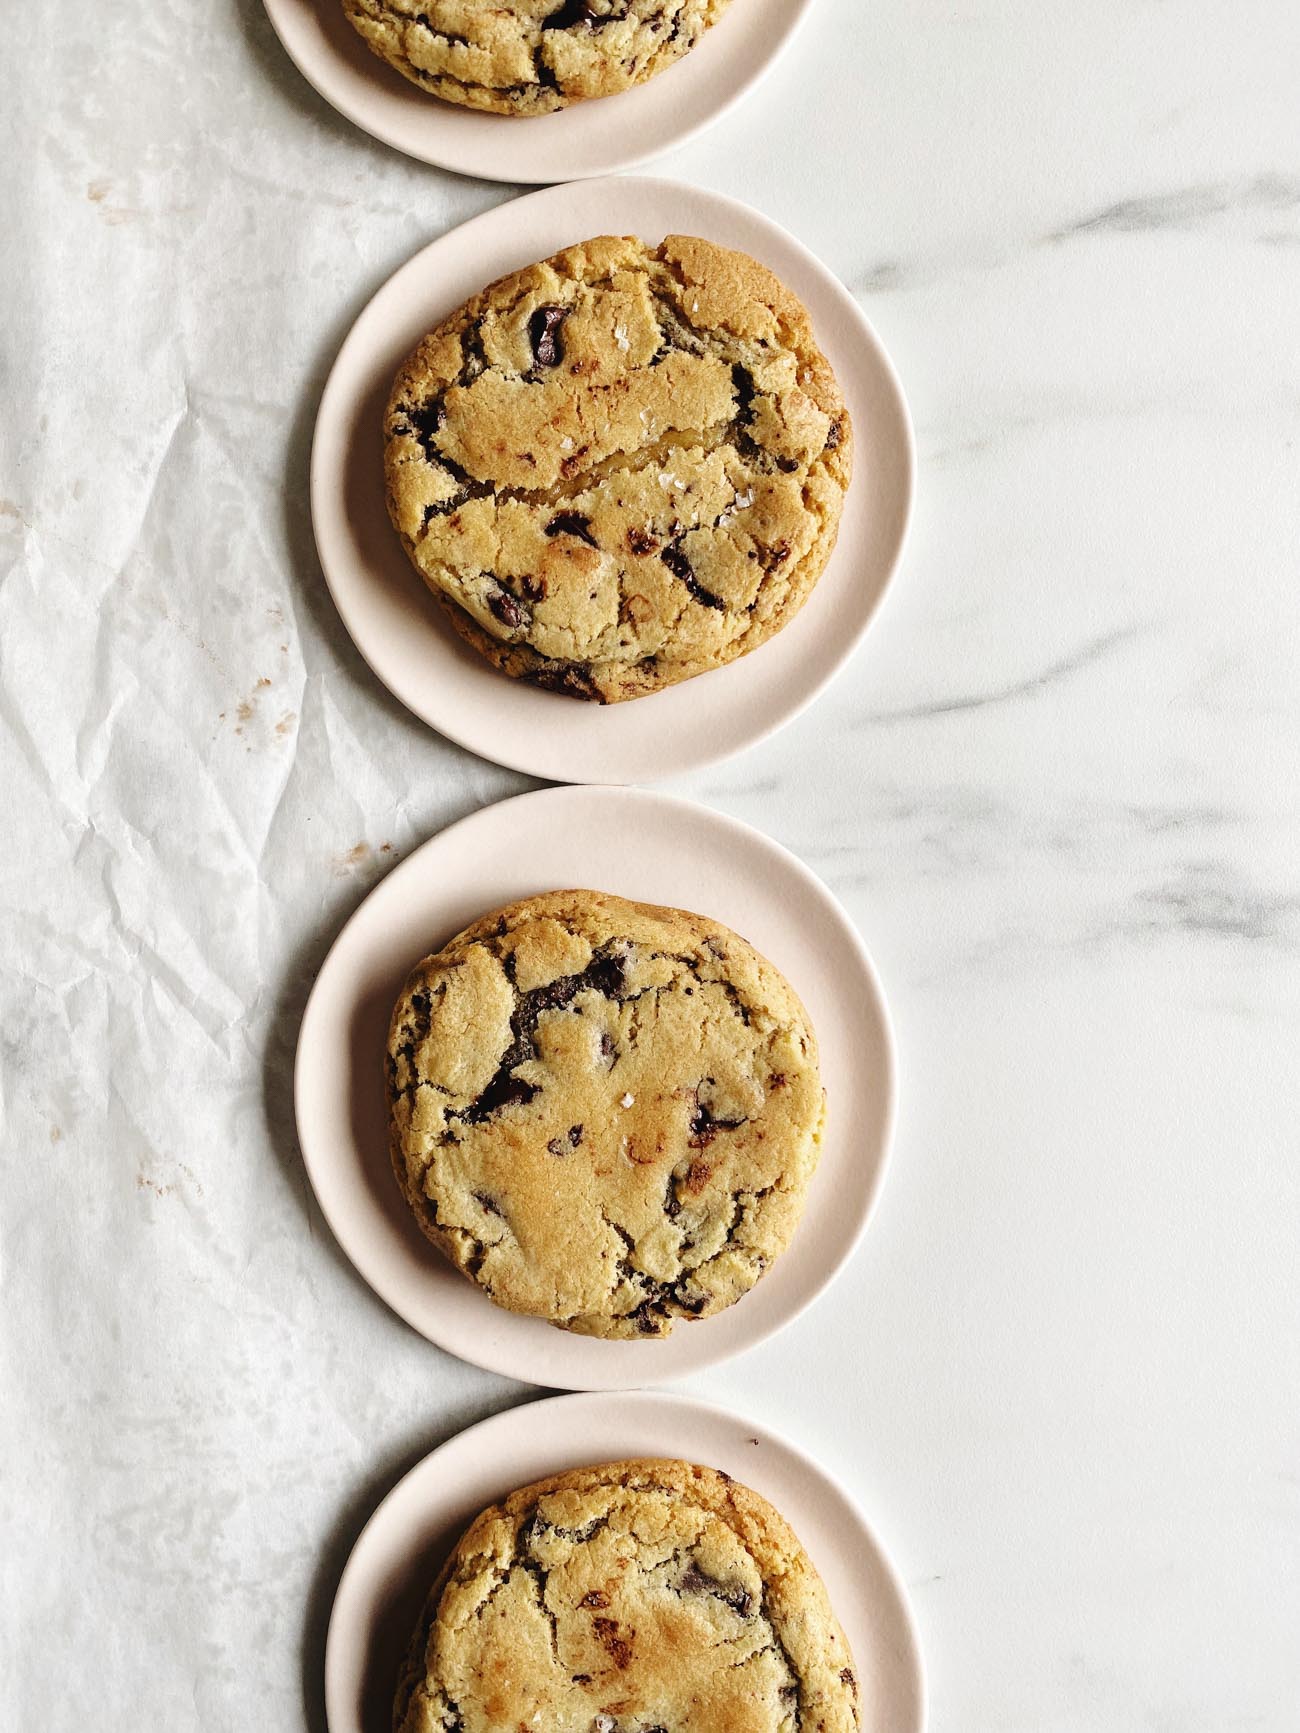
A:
x: 1057, y: 789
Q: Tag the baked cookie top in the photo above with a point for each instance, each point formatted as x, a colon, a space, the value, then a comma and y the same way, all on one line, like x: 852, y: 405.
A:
x: 530, y: 56
x: 622, y: 467
x: 637, y: 1597
x: 606, y: 1114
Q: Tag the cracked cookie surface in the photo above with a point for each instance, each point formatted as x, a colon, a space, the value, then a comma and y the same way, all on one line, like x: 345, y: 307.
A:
x: 635, y: 1597
x: 521, y: 57
x: 622, y: 467
x: 605, y: 1113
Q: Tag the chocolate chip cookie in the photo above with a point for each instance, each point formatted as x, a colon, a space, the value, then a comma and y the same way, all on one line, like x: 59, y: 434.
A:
x: 530, y: 56
x: 606, y: 1114
x: 622, y: 467
x: 638, y: 1597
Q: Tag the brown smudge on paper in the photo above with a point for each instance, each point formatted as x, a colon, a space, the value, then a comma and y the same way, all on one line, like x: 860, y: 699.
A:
x: 346, y: 863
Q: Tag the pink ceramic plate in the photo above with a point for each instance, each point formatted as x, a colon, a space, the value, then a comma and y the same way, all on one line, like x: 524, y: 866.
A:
x: 652, y: 848
x: 401, y: 630
x: 591, y: 138
x: 403, y: 1546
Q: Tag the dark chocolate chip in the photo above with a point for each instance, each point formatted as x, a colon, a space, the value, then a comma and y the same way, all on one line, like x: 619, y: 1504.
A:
x: 835, y: 435
x: 544, y: 335
x: 594, y: 1598
x: 533, y: 588
x: 506, y: 608
x: 640, y: 541
x: 562, y: 1145
x: 787, y: 465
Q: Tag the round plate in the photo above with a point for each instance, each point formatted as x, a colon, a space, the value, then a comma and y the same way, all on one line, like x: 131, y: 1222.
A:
x: 401, y: 629
x: 402, y: 1547
x: 591, y: 138
x: 651, y: 848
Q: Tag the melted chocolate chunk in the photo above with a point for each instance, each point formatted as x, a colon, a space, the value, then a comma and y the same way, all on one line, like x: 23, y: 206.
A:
x: 501, y: 1092
x: 426, y: 422
x: 572, y: 523
x: 569, y: 678
x: 698, y: 1582
x: 681, y: 568
x: 647, y: 1317
x: 606, y: 973
x: 616, y: 1645
x: 746, y: 391
x: 544, y: 335
x: 640, y: 541
x: 742, y: 381
x: 704, y: 1127
x: 473, y: 355
x: 570, y: 16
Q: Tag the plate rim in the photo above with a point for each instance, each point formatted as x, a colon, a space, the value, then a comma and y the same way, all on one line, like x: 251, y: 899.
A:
x: 329, y: 414
x: 464, y: 165
x: 383, y: 1288
x: 506, y: 1418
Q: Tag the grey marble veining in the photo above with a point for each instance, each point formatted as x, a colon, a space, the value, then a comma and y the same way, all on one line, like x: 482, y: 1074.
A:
x: 1057, y: 788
